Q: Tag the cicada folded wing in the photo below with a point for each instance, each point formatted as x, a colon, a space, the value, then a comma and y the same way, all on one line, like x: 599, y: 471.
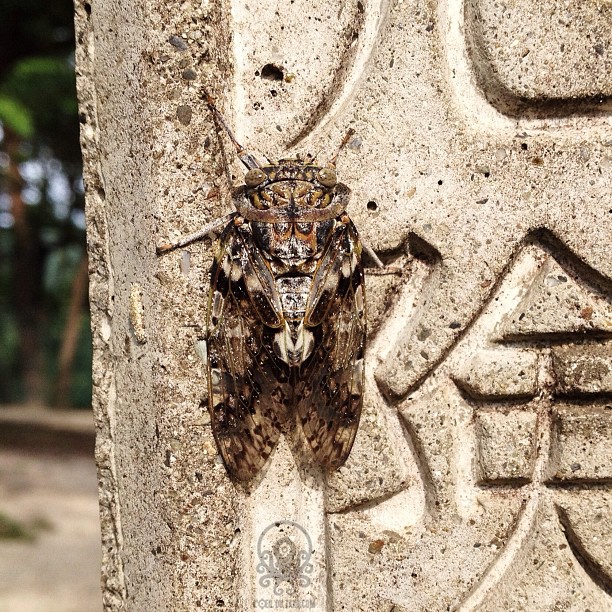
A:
x: 245, y: 387
x: 329, y: 387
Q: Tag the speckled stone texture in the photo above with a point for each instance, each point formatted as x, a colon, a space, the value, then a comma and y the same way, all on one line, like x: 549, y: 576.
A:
x: 481, y: 165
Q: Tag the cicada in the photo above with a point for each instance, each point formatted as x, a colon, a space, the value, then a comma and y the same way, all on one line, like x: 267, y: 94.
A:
x: 286, y: 324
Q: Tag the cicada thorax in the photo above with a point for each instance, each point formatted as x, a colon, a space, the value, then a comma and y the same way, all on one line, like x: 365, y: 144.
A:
x: 290, y: 207
x: 293, y: 243
x: 285, y: 196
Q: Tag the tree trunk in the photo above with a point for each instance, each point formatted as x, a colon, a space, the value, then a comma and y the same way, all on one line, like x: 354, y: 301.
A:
x: 70, y: 337
x: 479, y: 167
x: 27, y: 282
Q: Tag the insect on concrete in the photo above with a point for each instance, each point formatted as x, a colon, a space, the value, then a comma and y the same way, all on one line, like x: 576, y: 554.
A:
x: 286, y: 325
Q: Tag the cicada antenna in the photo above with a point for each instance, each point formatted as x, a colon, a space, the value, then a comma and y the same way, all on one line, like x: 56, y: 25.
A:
x: 243, y: 155
x: 349, y: 134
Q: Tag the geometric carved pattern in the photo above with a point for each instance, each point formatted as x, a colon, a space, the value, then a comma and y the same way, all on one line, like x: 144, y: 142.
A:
x: 506, y: 445
x: 508, y: 373
x: 560, y: 321
x: 556, y: 304
x: 511, y: 56
x: 582, y: 443
x: 512, y: 459
x: 582, y: 369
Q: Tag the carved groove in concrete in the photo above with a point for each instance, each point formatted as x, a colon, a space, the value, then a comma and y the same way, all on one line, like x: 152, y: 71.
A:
x: 514, y: 59
x: 514, y: 415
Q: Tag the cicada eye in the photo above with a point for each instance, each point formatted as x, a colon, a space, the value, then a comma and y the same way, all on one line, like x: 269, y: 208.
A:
x: 327, y: 177
x: 254, y: 177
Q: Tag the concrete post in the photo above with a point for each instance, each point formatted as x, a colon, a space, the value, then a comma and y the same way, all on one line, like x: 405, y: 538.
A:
x: 481, y: 165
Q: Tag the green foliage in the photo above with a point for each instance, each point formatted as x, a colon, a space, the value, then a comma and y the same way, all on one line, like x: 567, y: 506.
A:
x: 10, y: 346
x: 10, y: 390
x: 10, y: 529
x: 80, y: 391
x: 34, y: 27
x: 38, y: 101
x: 60, y: 269
x: 16, y: 116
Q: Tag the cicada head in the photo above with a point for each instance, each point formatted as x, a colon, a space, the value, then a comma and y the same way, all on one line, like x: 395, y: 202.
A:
x: 291, y: 183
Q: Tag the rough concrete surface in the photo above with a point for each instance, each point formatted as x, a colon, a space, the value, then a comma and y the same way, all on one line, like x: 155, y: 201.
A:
x: 481, y: 165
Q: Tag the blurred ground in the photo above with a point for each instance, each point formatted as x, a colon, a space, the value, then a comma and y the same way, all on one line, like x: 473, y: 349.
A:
x: 48, y: 504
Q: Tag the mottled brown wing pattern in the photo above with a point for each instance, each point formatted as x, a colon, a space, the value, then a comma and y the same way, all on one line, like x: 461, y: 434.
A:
x: 252, y: 392
x: 329, y: 385
x: 247, y: 388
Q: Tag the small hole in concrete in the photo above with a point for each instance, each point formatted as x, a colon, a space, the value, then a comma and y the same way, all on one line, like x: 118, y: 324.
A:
x: 272, y: 72
x: 372, y: 205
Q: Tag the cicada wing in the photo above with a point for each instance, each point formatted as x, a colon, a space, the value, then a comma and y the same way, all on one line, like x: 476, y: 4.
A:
x: 329, y: 386
x: 245, y: 393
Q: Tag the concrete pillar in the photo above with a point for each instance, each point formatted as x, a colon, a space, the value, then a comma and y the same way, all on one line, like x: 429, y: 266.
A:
x: 481, y: 165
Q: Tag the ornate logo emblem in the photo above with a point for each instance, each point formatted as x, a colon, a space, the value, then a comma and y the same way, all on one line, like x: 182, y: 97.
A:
x: 284, y: 550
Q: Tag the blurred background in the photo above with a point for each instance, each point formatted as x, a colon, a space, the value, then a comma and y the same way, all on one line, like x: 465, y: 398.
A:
x: 49, y: 533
